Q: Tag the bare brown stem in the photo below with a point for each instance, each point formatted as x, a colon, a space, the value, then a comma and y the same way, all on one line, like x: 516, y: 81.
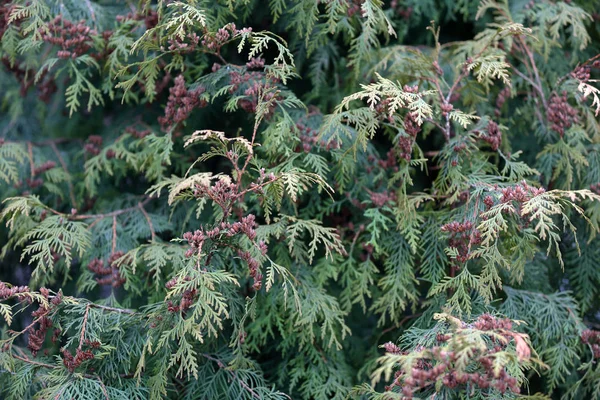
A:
x: 36, y: 363
x: 85, y: 319
x: 105, y: 215
x: 114, y: 234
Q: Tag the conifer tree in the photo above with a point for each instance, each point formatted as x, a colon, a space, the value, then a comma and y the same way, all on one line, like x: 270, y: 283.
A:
x: 307, y: 199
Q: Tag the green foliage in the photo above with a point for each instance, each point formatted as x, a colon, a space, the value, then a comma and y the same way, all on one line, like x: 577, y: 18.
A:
x: 308, y: 199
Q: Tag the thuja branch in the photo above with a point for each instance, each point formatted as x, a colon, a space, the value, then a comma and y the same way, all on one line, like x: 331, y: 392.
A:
x: 112, y: 309
x: 74, y: 300
x: 36, y: 363
x: 55, y: 367
x: 114, y: 234
x: 64, y: 167
x: 233, y: 375
x: 85, y: 319
x: 31, y: 162
x: 477, y: 232
x: 538, y: 86
x: 147, y: 217
x: 255, y: 188
x: 249, y: 156
x: 97, y: 217
x: 108, y: 214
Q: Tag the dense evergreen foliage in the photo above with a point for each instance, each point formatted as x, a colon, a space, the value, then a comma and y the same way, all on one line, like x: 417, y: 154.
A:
x: 307, y: 199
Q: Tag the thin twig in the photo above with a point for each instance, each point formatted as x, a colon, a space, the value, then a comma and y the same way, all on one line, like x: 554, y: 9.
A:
x: 60, y: 393
x: 219, y: 56
x: 252, y: 189
x: 446, y: 129
x: 251, y: 152
x: 49, y: 366
x: 356, y: 235
x: 93, y: 14
x: 98, y: 217
x: 85, y: 318
x: 110, y: 214
x: 64, y: 167
x: 114, y: 234
x: 35, y: 321
x: 525, y: 77
x: 90, y: 226
x: 113, y: 309
x: 437, y: 124
x: 535, y: 71
x: 103, y: 388
x: 233, y: 374
x: 147, y: 220
x: 8, y: 127
x: 399, y: 324
x: 31, y: 165
x: 28, y: 361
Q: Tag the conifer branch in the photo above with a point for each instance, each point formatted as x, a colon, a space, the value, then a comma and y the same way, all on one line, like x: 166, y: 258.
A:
x: 143, y: 210
x: 112, y: 309
x: 31, y: 162
x: 368, y: 185
x: 536, y: 73
x: 64, y: 167
x: 233, y: 375
x: 83, y: 325
x: 114, y: 234
x: 111, y: 214
x: 36, y: 363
